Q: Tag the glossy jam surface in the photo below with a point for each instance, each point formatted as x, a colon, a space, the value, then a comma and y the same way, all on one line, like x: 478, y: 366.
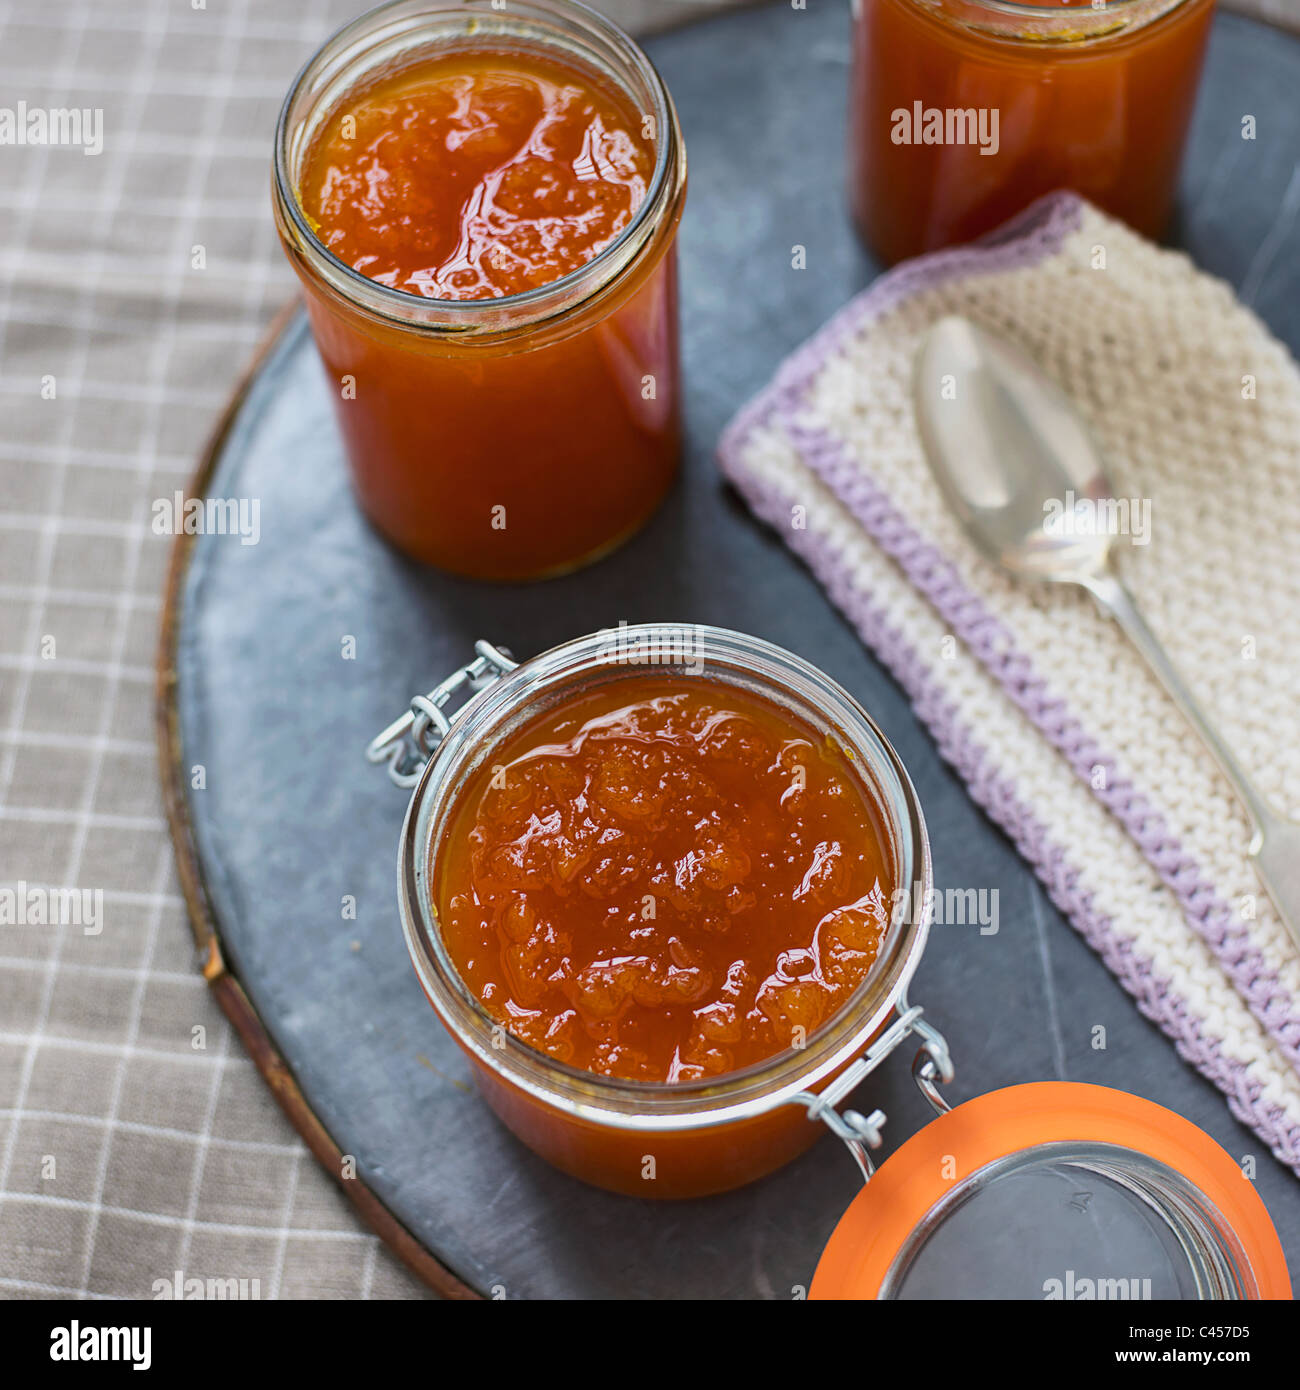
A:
x: 663, y: 880
x: 1105, y: 115
x: 476, y: 175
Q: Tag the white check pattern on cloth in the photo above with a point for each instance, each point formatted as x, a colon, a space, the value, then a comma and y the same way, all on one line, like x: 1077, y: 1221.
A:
x: 166, y: 1157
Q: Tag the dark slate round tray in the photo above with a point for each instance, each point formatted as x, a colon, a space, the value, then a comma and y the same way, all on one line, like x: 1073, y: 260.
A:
x: 292, y: 820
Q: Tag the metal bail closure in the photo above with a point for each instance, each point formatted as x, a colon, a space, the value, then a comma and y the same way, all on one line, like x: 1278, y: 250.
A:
x: 408, y: 742
x: 931, y: 1067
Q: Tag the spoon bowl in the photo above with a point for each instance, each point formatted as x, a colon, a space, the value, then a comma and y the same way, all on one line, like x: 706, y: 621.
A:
x: 1013, y: 459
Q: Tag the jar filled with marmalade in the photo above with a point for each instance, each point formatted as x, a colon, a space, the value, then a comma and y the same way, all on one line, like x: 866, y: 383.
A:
x: 481, y: 204
x: 660, y: 886
x: 963, y: 112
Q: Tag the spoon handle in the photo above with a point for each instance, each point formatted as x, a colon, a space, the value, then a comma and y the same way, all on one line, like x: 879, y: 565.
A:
x: 1276, y: 843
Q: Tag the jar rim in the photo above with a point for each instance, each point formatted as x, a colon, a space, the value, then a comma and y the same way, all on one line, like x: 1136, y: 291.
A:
x: 590, y: 32
x: 662, y: 1105
x: 1065, y: 25
x: 1212, y: 1251
x: 1021, y: 7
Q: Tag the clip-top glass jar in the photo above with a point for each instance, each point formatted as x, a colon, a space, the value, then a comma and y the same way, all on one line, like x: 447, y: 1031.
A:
x: 1046, y: 1190
x: 962, y: 112
x: 517, y: 436
x: 695, y: 1137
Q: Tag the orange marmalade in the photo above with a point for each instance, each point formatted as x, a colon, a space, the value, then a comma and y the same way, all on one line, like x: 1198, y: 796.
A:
x: 476, y: 175
x: 663, y: 882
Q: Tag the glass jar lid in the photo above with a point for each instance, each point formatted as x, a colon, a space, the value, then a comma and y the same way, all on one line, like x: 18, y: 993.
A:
x: 1056, y: 1190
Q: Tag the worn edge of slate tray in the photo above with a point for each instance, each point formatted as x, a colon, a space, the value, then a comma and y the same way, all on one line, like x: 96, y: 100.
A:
x: 222, y: 982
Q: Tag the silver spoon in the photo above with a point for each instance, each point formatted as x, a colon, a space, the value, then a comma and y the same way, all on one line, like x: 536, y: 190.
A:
x: 1003, y: 440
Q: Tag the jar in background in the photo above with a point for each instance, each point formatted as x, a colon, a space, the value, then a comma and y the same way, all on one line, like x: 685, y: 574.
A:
x: 500, y: 438
x: 962, y: 112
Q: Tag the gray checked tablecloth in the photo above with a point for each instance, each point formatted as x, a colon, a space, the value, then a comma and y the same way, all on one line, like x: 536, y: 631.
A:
x: 136, y: 1138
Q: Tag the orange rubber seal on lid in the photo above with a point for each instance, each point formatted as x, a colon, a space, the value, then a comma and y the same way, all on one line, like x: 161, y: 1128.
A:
x: 864, y: 1245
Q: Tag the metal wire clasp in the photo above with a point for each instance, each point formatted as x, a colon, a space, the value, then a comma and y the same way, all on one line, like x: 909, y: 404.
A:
x: 931, y: 1066
x: 408, y: 742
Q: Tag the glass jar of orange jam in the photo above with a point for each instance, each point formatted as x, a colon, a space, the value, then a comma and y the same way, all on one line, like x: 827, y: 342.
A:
x: 482, y: 204
x: 962, y: 112
x: 660, y: 885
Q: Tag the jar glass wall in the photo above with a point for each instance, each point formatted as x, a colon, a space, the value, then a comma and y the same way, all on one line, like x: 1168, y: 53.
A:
x: 962, y: 112
x: 513, y: 437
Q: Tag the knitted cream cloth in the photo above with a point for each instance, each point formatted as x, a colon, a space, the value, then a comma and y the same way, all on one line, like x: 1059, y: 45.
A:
x: 1040, y: 700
